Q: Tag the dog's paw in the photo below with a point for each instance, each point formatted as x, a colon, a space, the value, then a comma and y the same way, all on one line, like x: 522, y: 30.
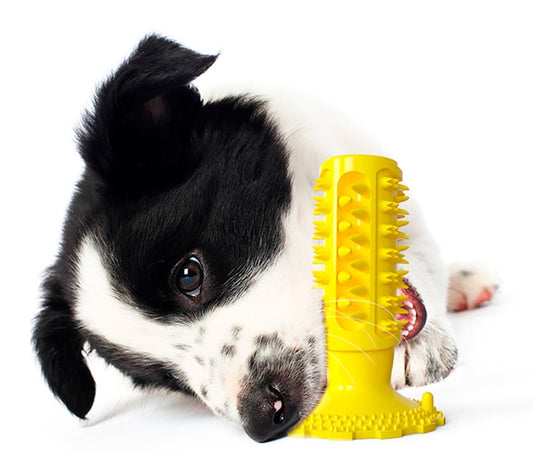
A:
x: 427, y: 358
x: 470, y: 286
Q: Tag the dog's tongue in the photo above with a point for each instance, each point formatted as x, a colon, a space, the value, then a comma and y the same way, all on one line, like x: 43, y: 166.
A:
x: 416, y: 312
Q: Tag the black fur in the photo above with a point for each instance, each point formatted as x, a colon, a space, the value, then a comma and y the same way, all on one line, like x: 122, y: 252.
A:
x: 59, y: 344
x: 138, y: 135
x: 166, y: 176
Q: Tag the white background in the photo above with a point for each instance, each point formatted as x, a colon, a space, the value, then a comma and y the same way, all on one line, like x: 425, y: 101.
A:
x: 445, y: 87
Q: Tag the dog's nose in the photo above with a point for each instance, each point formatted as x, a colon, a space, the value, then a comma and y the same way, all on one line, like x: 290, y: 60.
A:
x: 271, y: 413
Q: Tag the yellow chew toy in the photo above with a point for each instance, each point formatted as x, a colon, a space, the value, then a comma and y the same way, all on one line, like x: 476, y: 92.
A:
x: 358, y: 233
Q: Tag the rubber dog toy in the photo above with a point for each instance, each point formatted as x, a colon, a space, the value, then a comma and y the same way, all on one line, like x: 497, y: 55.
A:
x: 358, y: 249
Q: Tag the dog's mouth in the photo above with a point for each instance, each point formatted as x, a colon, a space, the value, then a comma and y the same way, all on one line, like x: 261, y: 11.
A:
x: 416, y: 312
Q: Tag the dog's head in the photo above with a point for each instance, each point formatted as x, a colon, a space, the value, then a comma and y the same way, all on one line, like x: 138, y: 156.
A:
x: 183, y: 263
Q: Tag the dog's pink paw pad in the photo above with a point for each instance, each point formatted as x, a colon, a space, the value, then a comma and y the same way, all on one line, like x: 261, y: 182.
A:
x: 470, y: 286
x: 483, y: 297
x: 459, y: 304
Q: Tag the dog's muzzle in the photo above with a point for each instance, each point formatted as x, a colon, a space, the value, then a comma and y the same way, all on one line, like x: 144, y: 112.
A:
x: 279, y: 391
x: 270, y: 411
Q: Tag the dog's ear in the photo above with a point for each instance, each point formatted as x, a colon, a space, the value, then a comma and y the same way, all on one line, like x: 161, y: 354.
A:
x: 140, y: 126
x: 58, y: 345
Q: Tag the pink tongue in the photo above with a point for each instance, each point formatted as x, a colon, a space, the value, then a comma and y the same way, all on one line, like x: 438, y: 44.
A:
x: 416, y: 315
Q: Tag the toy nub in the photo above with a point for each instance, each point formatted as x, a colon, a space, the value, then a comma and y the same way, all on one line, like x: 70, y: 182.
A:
x: 358, y: 233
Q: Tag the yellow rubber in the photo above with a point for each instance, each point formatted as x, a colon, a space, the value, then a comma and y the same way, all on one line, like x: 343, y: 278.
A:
x: 357, y: 246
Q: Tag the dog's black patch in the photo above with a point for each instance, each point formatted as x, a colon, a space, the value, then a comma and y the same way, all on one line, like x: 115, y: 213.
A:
x: 59, y: 345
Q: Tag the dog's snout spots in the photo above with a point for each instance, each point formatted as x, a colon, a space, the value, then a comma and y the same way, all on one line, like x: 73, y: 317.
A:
x: 199, y: 360
x: 204, y: 392
x: 200, y: 337
x: 269, y: 340
x: 236, y: 332
x: 228, y: 351
x: 182, y: 347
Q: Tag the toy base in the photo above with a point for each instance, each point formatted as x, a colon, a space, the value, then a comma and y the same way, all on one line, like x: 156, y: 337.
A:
x: 417, y: 417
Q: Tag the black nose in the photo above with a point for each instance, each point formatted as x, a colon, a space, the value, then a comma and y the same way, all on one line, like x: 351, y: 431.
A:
x: 270, y: 413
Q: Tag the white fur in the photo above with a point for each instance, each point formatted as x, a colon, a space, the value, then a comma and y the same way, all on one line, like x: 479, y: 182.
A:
x: 106, y: 313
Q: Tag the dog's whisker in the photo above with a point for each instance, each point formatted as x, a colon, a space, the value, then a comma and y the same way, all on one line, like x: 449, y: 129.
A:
x: 357, y: 300
x: 365, y: 322
x: 358, y: 320
x: 342, y: 365
x: 353, y: 345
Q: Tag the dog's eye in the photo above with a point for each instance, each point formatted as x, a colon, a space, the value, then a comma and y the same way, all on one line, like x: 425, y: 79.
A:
x: 189, y: 277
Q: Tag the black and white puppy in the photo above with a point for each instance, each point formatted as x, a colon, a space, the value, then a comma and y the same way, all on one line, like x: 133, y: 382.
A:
x: 187, y: 249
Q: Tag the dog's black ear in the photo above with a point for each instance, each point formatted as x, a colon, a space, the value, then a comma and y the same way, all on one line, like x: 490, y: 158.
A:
x: 58, y: 345
x: 143, y: 113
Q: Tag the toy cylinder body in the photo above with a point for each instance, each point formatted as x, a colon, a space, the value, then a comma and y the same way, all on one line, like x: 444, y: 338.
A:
x: 360, y: 208
x: 357, y: 234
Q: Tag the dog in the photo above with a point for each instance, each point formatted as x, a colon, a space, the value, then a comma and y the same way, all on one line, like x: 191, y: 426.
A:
x: 187, y: 247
